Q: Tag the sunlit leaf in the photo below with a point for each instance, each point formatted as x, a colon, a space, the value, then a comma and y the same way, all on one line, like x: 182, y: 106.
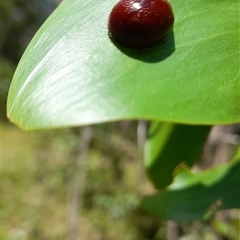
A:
x: 72, y: 74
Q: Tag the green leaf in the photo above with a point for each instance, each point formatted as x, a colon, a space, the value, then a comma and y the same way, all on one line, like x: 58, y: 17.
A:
x: 197, y: 196
x: 72, y: 74
x: 168, y: 145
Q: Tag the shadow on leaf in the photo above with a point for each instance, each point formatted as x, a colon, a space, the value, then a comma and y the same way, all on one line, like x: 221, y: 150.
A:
x: 154, y: 54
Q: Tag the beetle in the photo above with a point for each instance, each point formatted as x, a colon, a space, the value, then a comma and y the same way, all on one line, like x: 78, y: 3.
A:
x: 140, y: 24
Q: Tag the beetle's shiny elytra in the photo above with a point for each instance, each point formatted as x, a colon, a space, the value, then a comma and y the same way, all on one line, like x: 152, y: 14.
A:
x: 140, y: 24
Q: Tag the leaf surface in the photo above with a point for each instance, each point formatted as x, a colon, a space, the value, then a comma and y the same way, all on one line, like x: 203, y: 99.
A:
x: 72, y: 74
x: 169, y: 145
x: 197, y: 196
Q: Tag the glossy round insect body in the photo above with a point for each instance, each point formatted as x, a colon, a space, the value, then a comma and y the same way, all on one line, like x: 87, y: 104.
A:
x: 140, y: 24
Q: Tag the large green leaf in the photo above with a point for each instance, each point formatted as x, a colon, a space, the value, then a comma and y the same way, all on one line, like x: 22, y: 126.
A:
x: 194, y: 196
x: 168, y: 145
x: 72, y: 74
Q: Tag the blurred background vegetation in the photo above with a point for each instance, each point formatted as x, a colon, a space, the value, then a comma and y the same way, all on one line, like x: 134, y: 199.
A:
x: 85, y: 183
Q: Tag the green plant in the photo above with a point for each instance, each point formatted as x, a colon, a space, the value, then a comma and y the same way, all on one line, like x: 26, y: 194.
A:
x: 71, y: 74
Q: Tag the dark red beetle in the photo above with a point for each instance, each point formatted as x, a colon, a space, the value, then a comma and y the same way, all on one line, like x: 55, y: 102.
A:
x: 140, y: 24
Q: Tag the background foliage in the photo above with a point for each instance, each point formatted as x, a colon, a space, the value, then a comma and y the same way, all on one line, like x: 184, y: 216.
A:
x: 38, y: 167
